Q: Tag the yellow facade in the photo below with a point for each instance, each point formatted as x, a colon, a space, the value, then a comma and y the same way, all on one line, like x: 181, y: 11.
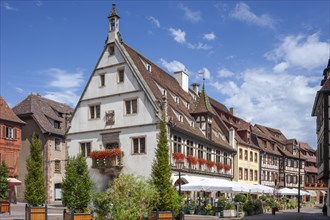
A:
x: 247, y: 160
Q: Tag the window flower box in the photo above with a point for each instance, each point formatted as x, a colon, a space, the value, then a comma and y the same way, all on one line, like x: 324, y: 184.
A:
x: 210, y: 163
x: 178, y: 156
x: 220, y: 166
x: 227, y: 167
x: 106, y: 158
x: 192, y: 160
x: 202, y: 161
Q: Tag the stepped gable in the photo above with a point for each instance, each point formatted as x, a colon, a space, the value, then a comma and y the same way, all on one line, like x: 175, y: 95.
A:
x: 43, y: 109
x: 6, y: 113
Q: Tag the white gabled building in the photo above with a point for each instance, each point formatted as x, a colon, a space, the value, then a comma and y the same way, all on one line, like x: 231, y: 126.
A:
x: 121, y: 107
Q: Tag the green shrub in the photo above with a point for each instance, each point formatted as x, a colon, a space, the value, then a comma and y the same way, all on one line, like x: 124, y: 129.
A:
x: 240, y: 198
x: 248, y: 207
x: 229, y: 205
x: 258, y: 206
x: 262, y: 197
x: 4, y: 174
x: 222, y: 201
x: 102, y: 205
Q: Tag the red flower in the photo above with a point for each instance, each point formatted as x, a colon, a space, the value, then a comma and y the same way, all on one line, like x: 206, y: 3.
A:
x: 102, y: 154
x: 210, y: 163
x: 220, y: 166
x: 178, y: 156
x: 227, y: 167
x: 192, y: 160
x: 202, y: 161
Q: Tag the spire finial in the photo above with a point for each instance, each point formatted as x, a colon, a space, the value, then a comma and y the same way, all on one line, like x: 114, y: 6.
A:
x: 203, y: 73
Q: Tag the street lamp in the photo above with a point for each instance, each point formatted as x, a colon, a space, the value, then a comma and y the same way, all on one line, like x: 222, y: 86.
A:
x: 179, y: 165
x: 299, y: 179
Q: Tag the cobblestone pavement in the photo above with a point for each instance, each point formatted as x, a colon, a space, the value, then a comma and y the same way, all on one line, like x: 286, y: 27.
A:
x: 311, y: 213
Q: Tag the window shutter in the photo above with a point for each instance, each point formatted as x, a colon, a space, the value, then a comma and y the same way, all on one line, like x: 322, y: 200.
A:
x: 15, y: 133
x: 1, y: 132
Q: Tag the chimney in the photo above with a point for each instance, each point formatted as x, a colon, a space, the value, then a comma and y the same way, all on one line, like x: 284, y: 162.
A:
x: 232, y: 110
x: 232, y: 137
x: 183, y: 79
x: 195, y: 87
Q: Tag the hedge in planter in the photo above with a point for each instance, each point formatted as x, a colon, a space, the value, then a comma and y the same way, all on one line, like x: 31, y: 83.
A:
x: 4, y: 188
x: 77, y: 185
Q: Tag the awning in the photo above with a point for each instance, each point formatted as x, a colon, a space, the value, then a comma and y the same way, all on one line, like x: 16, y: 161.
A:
x: 187, y: 178
x: 312, y: 193
x: 14, y: 182
x: 323, y: 192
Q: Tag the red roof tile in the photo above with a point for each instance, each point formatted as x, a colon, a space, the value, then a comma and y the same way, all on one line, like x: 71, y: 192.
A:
x: 6, y: 113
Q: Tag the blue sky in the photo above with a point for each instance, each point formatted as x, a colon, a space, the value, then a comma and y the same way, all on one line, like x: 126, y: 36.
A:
x: 264, y: 58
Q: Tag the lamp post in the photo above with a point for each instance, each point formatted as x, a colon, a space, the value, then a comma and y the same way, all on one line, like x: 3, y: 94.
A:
x: 299, y: 179
x: 179, y: 165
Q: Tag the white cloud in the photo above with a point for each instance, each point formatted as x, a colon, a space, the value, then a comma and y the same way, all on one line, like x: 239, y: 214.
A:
x: 300, y: 51
x: 39, y: 3
x: 225, y: 73
x: 19, y: 90
x: 178, y: 34
x: 192, y: 16
x: 243, y: 13
x: 68, y: 97
x: 8, y: 7
x: 204, y: 71
x: 173, y: 66
x: 209, y: 36
x: 199, y: 46
x: 154, y: 20
x: 63, y: 86
x: 282, y: 101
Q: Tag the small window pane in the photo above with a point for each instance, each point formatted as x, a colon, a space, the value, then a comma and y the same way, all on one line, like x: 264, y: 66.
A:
x: 98, y: 111
x: 134, y: 106
x: 120, y: 75
x: 128, y: 107
x: 136, y: 145
x: 92, y: 112
x: 142, y: 145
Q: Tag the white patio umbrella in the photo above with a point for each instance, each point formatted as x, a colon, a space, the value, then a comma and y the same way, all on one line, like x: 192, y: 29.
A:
x: 302, y: 192
x: 287, y: 191
x: 213, y: 185
x: 259, y: 189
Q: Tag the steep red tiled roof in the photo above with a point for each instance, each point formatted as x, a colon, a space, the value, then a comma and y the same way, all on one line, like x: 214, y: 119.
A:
x: 311, y: 169
x: 306, y: 147
x: 6, y: 113
x: 43, y: 109
x: 158, y: 77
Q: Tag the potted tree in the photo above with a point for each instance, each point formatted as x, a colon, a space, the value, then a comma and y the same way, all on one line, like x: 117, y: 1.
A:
x: 77, y: 189
x: 168, y: 198
x: 192, y: 207
x: 35, y: 190
x: 4, y: 188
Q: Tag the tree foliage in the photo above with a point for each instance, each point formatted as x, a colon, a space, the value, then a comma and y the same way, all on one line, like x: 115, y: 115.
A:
x: 4, y: 174
x: 131, y: 197
x: 161, y: 173
x: 77, y: 185
x: 35, y: 190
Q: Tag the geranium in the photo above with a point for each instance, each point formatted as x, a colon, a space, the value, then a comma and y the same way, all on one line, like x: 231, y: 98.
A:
x: 201, y: 161
x: 227, y: 167
x: 102, y: 154
x: 178, y: 156
x: 192, y: 160
x: 210, y: 163
x: 220, y: 166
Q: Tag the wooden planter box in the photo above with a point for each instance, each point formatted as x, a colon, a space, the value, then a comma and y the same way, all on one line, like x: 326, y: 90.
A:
x: 4, y: 207
x: 161, y: 215
x: 35, y: 212
x: 76, y: 216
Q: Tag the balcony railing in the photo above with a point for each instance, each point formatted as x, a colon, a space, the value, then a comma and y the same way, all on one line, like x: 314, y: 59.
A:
x: 108, y: 161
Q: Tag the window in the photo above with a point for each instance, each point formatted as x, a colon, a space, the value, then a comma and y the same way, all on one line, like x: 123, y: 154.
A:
x: 177, y: 144
x: 245, y: 174
x: 111, y: 49
x: 190, y: 147
x: 85, y: 149
x: 120, y: 75
x: 131, y: 106
x: 245, y: 155
x: 10, y: 132
x: 241, y: 153
x: 251, y: 175
x: 94, y: 111
x: 57, y: 144
x: 256, y: 157
x: 139, y: 145
x: 102, y: 80
x: 111, y: 145
x: 57, y: 166
x: 255, y: 175
x: 251, y: 156
x: 57, y: 124
x: 240, y: 173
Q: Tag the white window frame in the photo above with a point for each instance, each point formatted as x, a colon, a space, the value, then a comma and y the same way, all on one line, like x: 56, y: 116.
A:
x: 131, y: 106
x: 119, y: 71
x: 9, y: 132
x: 83, y: 148
x: 94, y: 116
x: 139, y: 145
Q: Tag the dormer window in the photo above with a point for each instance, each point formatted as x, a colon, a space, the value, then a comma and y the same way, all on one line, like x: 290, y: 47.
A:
x: 176, y: 99
x: 56, y: 124
x: 180, y: 118
x: 148, y: 67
